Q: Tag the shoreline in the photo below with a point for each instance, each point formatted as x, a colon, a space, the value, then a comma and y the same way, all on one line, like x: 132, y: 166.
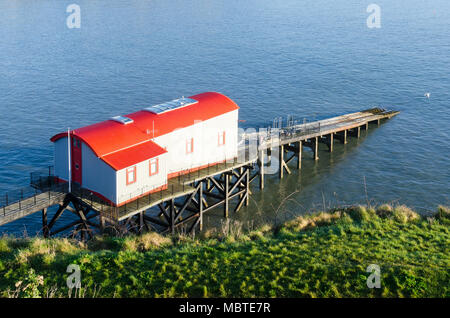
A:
x: 324, y: 254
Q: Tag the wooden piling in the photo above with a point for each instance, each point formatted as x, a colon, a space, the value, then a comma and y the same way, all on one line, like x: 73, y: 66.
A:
x: 226, y: 199
x: 200, y: 203
x: 331, y: 142
x: 44, y: 223
x: 299, y: 154
x: 247, y: 186
x: 241, y: 170
x: 281, y: 160
x: 172, y: 216
x: 141, y: 222
x: 316, y: 148
x: 261, y: 169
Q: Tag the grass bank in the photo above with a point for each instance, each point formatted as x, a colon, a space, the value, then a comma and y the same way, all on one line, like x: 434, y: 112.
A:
x: 319, y: 255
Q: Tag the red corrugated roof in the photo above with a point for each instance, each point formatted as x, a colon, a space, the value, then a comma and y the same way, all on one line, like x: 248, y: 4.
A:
x: 133, y: 155
x: 110, y: 137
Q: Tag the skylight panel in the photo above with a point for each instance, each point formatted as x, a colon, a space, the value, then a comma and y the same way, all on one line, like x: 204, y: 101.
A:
x: 168, y: 106
x: 122, y: 119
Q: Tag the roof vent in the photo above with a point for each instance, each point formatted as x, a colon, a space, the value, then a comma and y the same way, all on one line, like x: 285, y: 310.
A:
x: 175, y: 104
x: 122, y: 119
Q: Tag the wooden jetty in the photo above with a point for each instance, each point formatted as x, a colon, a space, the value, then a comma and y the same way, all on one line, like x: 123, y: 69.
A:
x: 188, y: 196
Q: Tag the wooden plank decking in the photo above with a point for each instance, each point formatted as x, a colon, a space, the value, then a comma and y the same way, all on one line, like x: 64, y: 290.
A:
x: 324, y: 127
x: 30, y: 205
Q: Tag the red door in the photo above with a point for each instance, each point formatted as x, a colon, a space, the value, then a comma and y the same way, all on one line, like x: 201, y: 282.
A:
x: 76, y: 160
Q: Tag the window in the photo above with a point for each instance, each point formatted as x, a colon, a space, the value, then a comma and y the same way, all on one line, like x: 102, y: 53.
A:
x: 131, y: 175
x: 221, y: 138
x: 154, y: 166
x: 190, y: 145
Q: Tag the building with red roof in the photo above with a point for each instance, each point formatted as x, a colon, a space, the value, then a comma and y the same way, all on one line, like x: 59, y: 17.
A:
x: 129, y: 156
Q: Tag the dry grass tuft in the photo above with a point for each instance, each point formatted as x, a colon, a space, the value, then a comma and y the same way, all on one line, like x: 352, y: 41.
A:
x: 46, y: 248
x: 359, y: 213
x: 404, y: 214
x: 310, y: 221
x: 443, y: 212
x: 385, y: 211
x: 145, y: 242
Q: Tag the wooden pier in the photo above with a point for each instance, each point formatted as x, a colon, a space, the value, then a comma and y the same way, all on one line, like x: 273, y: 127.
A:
x: 187, y: 197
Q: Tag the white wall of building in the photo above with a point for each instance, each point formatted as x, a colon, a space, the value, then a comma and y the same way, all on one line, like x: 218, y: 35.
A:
x: 206, y: 147
x: 61, y: 159
x: 144, y: 182
x: 97, y: 175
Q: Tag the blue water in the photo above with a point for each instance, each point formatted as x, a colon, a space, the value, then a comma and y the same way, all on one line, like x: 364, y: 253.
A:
x: 311, y: 59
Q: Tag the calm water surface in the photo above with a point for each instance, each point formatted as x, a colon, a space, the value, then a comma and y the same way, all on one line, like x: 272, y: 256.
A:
x: 312, y: 59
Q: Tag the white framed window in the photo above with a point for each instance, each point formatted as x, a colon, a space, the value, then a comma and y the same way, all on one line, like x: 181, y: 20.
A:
x: 131, y: 175
x: 154, y: 166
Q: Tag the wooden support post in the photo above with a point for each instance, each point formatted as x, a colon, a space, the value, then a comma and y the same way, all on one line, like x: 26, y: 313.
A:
x: 367, y: 126
x: 331, y: 141
x: 378, y: 122
x: 226, y: 194
x: 281, y: 160
x: 316, y: 148
x: 241, y: 171
x: 45, y: 231
x: 345, y: 137
x: 141, y: 222
x: 299, y: 154
x: 261, y: 169
x: 172, y: 216
x: 358, y: 134
x: 200, y: 200
x: 247, y: 186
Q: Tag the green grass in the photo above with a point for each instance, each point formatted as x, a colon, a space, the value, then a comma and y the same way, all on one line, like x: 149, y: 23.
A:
x: 320, y: 255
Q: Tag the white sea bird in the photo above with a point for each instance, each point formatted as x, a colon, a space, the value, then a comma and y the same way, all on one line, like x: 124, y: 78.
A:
x: 427, y: 95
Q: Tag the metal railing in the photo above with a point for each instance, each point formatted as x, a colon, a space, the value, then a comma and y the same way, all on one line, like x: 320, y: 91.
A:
x: 44, y: 187
x: 22, y: 200
x: 278, y: 135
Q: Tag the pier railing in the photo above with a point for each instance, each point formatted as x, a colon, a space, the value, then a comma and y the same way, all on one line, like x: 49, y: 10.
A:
x: 43, y: 188
x: 273, y: 136
x: 21, y: 201
x: 44, y: 178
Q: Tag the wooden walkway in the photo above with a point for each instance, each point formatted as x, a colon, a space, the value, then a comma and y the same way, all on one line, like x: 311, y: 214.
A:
x: 30, y: 205
x: 324, y: 127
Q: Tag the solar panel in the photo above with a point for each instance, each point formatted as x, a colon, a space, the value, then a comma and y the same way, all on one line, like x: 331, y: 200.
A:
x: 122, y: 119
x: 168, y: 106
